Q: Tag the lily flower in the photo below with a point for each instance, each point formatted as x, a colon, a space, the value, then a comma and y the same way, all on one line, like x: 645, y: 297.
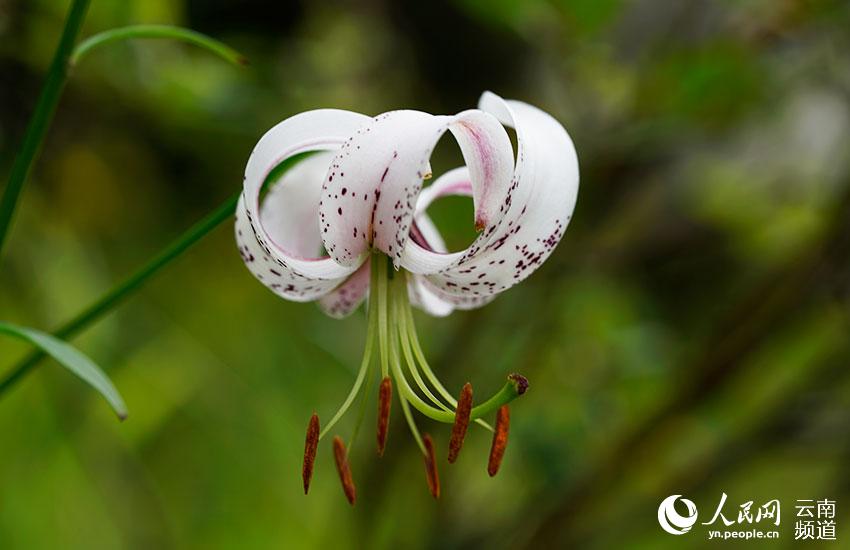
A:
x: 350, y: 222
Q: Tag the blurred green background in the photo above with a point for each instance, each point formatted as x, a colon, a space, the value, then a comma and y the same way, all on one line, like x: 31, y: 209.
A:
x: 689, y: 335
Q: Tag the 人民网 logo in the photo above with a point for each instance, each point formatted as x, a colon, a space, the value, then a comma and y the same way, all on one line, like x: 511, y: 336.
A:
x: 671, y: 520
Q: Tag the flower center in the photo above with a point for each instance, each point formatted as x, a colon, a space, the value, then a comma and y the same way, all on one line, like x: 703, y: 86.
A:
x: 392, y: 343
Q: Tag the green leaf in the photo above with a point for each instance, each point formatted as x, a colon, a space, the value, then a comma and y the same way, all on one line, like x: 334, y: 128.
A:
x: 158, y: 31
x: 73, y: 360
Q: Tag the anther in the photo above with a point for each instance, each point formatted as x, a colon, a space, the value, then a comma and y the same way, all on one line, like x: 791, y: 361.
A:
x: 464, y: 407
x: 431, y: 466
x: 310, y: 446
x: 385, y: 394
x: 500, y: 440
x: 341, y: 459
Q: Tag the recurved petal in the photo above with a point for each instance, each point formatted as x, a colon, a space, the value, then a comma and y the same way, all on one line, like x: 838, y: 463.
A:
x: 290, y: 209
x: 462, y: 301
x: 345, y: 298
x: 537, y: 208
x: 274, y: 271
x: 456, y: 182
x: 426, y: 300
x: 371, y: 190
x: 275, y: 248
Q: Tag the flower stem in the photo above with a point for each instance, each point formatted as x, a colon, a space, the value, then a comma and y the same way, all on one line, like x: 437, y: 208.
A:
x: 126, y: 288
x: 57, y: 75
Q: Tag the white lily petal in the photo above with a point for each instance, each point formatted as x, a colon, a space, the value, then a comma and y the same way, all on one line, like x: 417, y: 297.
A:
x: 489, y: 159
x: 281, y: 265
x: 422, y: 298
x: 538, y: 206
x: 345, y: 298
x: 454, y: 301
x: 371, y: 189
x: 454, y: 182
x: 274, y: 272
x: 422, y: 260
x: 428, y: 233
x: 290, y: 209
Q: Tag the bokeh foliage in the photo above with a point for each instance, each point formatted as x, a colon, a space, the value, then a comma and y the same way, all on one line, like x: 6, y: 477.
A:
x: 688, y: 336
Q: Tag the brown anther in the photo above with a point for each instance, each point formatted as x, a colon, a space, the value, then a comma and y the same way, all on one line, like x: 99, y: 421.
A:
x: 462, y: 411
x: 341, y: 459
x: 431, y: 466
x: 385, y: 395
x: 500, y: 440
x: 310, y: 446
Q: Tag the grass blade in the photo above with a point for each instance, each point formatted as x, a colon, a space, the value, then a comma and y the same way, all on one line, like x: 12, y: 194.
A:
x: 73, y: 360
x: 131, y: 32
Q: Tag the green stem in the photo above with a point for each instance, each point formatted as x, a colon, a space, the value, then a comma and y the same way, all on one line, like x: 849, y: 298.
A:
x: 158, y: 31
x: 126, y: 288
x: 57, y: 75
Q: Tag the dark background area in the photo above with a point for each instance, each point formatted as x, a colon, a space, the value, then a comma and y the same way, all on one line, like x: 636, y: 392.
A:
x: 688, y: 336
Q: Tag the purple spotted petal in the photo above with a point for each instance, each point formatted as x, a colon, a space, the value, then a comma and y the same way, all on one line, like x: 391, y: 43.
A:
x: 456, y: 182
x: 371, y: 189
x: 290, y: 209
x: 278, y: 252
x: 537, y: 207
x: 345, y: 298
x: 423, y: 298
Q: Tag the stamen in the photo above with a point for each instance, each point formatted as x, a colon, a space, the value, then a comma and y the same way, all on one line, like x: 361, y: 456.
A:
x: 391, y: 335
x: 341, y: 459
x: 404, y: 339
x: 379, y: 272
x: 464, y: 408
x: 500, y: 440
x: 431, y: 467
x: 413, y: 339
x: 371, y: 335
x: 310, y: 446
x: 385, y: 394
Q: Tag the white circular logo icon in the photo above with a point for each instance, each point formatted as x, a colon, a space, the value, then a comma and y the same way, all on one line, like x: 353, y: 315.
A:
x: 673, y: 522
